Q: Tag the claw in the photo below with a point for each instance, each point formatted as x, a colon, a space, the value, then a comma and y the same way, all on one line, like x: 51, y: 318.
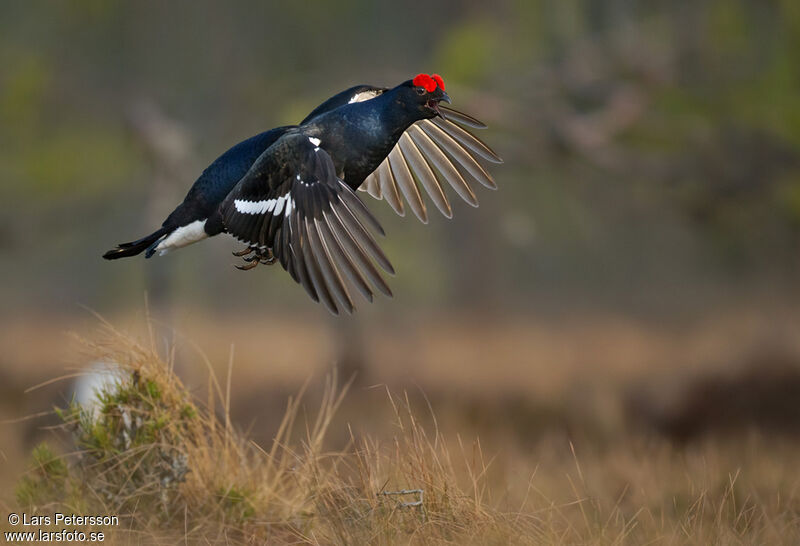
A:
x: 248, y: 266
x: 260, y: 256
x: 243, y: 252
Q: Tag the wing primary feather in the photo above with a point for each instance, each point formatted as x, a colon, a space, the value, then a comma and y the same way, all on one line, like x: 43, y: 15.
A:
x: 355, y: 251
x: 339, y: 257
x: 284, y: 241
x: 283, y: 247
x: 329, y: 273
x: 263, y: 230
x: 462, y: 118
x: 468, y: 139
x: 389, y: 188
x: 425, y: 175
x: 357, y: 206
x: 313, y: 270
x: 249, y: 227
x: 297, y: 253
x: 372, y: 185
x: 376, y: 186
x: 291, y: 266
x: 459, y: 153
x: 274, y: 223
x: 406, y: 183
x: 438, y: 158
x: 359, y: 233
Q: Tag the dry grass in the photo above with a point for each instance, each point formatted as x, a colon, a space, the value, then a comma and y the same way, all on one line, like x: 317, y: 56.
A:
x: 175, y: 469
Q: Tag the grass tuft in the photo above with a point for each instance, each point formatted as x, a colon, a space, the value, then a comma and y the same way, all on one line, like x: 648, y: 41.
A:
x: 174, y: 470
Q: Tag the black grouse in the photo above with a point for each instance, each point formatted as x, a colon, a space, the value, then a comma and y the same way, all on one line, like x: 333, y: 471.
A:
x: 288, y: 193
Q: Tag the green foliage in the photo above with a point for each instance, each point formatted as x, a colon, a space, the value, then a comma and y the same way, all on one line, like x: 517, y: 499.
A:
x: 131, y: 451
x: 153, y: 391
x: 237, y: 504
x: 46, y: 480
x: 188, y: 412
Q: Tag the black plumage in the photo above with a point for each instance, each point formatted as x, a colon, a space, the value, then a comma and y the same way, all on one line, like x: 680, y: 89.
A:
x: 288, y: 193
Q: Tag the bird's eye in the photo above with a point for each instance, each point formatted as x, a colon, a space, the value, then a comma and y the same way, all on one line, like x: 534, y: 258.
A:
x: 420, y: 90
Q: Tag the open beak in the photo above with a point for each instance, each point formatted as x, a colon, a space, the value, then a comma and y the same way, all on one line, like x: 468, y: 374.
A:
x: 434, y: 104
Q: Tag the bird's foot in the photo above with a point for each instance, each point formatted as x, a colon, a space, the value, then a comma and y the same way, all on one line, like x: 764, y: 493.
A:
x: 259, y: 257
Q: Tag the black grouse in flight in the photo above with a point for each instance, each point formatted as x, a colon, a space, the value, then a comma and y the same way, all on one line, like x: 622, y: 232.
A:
x: 288, y: 193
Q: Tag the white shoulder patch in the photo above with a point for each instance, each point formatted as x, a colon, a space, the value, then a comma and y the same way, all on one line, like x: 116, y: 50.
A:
x: 364, y: 95
x: 314, y: 141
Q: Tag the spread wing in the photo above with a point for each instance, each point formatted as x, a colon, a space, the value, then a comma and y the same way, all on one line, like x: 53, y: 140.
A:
x: 292, y: 202
x: 433, y: 154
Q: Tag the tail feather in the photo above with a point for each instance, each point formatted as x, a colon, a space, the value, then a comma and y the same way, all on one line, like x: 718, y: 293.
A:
x: 133, y: 248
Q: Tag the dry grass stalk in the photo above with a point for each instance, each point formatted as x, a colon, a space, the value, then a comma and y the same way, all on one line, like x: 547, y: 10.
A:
x: 174, y: 470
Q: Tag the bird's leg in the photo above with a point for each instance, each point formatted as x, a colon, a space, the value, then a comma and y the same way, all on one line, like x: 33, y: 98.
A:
x: 267, y: 258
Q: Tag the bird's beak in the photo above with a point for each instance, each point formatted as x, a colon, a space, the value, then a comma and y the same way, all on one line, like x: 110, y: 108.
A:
x: 435, y: 103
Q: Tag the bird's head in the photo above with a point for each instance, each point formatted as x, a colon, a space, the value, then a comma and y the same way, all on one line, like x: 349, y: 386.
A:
x: 422, y: 95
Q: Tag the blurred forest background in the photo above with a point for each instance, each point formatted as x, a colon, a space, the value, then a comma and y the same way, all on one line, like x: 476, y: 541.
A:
x: 651, y: 148
x: 645, y: 238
